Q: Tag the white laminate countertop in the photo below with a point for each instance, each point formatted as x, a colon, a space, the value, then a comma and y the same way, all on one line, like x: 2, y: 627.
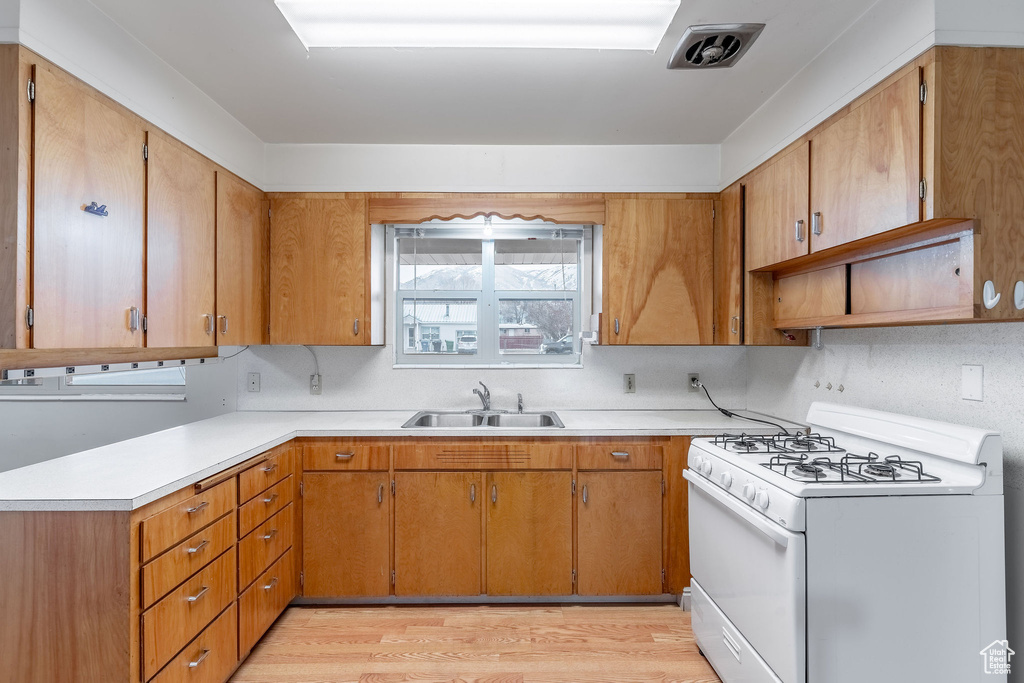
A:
x: 130, y: 474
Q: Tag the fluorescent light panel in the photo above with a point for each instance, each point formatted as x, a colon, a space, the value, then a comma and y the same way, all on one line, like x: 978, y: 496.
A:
x: 581, y: 24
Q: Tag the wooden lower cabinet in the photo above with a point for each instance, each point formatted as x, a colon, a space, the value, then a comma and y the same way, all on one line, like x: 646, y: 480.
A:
x: 262, y: 602
x: 619, y: 534
x: 529, y: 533
x: 210, y: 658
x: 438, y: 541
x: 346, y: 526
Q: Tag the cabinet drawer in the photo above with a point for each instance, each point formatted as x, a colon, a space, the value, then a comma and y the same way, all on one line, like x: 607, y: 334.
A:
x: 185, y: 559
x: 259, y: 478
x: 345, y: 455
x: 619, y: 456
x: 171, y: 526
x: 260, y: 508
x: 469, y: 455
x: 264, y: 601
x: 210, y: 658
x: 171, y: 623
x: 264, y: 545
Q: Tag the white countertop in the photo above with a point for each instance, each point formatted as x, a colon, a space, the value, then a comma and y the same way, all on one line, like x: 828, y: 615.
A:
x: 132, y: 473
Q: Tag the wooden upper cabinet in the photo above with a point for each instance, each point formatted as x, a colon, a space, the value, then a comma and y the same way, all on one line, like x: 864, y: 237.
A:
x: 529, y: 533
x: 778, y: 225
x: 866, y: 166
x: 87, y: 270
x: 243, y: 262
x: 180, y: 245
x: 658, y: 274
x: 729, y: 267
x: 319, y: 253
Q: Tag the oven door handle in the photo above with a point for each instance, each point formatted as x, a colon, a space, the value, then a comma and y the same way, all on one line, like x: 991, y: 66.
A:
x: 766, y: 527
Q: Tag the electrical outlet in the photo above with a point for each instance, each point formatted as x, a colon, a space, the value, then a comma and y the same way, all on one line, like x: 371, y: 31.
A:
x: 254, y: 381
x: 315, y: 386
x: 691, y: 381
x: 629, y: 384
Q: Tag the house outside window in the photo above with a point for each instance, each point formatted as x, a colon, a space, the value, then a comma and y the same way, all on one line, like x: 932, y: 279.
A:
x: 482, y: 295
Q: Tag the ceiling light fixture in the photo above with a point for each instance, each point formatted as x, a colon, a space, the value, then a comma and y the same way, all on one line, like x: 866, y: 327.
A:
x: 580, y: 24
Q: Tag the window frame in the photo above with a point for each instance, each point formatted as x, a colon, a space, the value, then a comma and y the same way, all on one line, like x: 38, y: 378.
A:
x: 488, y: 352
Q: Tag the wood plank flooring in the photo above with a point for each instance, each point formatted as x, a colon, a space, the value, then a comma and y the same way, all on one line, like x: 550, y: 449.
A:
x: 479, y: 644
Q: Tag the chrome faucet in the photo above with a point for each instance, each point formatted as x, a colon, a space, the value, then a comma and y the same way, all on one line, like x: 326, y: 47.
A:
x: 520, y: 404
x: 485, y: 396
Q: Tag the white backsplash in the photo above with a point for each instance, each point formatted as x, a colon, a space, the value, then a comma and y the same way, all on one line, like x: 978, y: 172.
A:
x: 365, y: 379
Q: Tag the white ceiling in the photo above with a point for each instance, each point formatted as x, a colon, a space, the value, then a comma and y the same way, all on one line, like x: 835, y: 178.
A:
x: 243, y: 54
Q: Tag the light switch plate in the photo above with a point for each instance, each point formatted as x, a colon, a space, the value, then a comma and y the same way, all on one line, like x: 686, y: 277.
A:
x: 972, y: 382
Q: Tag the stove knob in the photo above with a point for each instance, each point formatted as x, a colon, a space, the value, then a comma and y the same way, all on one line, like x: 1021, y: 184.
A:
x: 705, y: 467
x: 698, y: 462
x: 761, y: 500
x: 749, y: 492
x: 726, y: 480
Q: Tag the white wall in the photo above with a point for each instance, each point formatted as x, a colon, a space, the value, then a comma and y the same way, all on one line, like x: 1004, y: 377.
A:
x: 498, y: 168
x: 10, y: 11
x: 365, y: 379
x: 34, y: 431
x: 76, y: 36
x: 916, y: 371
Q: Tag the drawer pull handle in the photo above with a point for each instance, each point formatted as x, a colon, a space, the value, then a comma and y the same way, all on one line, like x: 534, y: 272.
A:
x: 584, y: 494
x: 270, y: 500
x: 355, y: 327
x: 494, y: 493
x: 223, y: 324
x: 269, y: 586
x: 734, y: 326
x: 816, y: 223
x: 198, y: 508
x: 269, y: 535
x: 193, y: 551
x: 620, y: 455
x: 800, y: 231
x: 344, y: 456
x: 269, y: 468
x: 194, y: 598
x: 472, y: 493
x: 380, y: 494
x: 196, y: 662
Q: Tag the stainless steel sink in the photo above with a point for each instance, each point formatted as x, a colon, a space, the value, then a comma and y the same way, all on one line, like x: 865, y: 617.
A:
x: 521, y: 420
x: 464, y: 420
x: 451, y: 420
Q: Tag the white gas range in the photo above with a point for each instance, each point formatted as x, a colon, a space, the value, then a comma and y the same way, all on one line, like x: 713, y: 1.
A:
x: 870, y: 549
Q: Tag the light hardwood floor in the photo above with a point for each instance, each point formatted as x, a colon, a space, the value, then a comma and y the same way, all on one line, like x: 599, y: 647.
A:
x: 477, y: 644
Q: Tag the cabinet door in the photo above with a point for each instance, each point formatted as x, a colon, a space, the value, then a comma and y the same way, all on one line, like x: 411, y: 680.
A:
x: 87, y: 270
x: 438, y: 533
x: 778, y: 221
x: 181, y: 247
x: 318, y: 267
x: 529, y: 533
x: 619, y: 533
x: 729, y: 268
x: 243, y: 263
x: 346, y: 527
x: 658, y: 272
x: 866, y: 167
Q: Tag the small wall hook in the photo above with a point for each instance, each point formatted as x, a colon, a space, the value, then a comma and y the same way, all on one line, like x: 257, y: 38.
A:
x: 96, y: 210
x: 989, y: 296
x: 1018, y: 295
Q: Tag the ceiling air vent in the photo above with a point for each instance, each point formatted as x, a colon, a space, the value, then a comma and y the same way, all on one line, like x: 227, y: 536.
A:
x: 713, y: 46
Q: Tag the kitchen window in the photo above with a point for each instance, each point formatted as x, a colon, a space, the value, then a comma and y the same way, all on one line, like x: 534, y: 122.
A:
x: 497, y: 293
x: 159, y: 384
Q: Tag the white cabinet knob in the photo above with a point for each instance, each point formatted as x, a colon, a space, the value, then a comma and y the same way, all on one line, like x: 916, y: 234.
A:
x: 1018, y: 295
x: 749, y: 492
x: 726, y: 480
x: 989, y: 296
x: 762, y: 500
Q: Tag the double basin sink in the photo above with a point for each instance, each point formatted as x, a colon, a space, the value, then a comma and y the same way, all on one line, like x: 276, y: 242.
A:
x: 482, y: 419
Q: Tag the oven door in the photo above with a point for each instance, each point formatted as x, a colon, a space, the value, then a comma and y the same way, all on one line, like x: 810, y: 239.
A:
x: 754, y: 571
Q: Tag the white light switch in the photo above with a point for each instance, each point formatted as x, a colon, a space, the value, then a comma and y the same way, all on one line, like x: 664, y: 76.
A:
x: 972, y: 382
